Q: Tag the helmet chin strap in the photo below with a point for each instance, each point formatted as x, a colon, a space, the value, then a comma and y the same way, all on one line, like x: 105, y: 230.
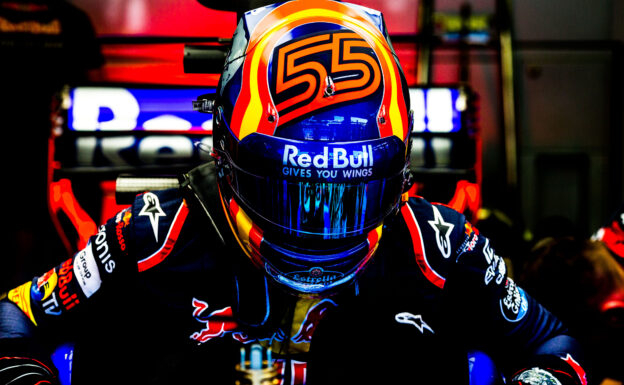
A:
x: 201, y: 183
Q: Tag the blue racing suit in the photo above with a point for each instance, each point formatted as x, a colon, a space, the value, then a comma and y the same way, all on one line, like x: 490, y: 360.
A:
x: 164, y: 294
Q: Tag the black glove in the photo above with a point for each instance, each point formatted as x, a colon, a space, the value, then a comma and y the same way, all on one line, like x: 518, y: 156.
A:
x: 25, y: 371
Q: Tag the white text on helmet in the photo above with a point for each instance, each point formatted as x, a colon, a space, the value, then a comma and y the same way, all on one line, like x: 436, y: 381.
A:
x: 340, y: 158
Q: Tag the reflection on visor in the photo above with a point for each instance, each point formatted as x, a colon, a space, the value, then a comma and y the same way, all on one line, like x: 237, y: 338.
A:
x: 333, y: 210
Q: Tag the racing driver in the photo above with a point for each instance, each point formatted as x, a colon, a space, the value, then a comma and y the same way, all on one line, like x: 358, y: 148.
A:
x: 300, y: 238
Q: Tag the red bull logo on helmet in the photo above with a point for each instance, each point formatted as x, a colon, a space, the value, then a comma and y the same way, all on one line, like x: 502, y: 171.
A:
x: 321, y: 160
x: 340, y: 158
x: 328, y: 162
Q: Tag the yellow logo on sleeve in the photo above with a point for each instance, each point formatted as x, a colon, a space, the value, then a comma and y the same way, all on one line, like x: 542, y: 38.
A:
x: 21, y: 297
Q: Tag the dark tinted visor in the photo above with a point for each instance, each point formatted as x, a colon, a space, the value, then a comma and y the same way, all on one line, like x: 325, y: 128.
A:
x: 332, y: 189
x: 328, y: 209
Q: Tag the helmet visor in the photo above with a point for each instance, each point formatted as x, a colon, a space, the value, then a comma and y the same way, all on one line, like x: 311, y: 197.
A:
x: 330, y: 209
x: 325, y: 201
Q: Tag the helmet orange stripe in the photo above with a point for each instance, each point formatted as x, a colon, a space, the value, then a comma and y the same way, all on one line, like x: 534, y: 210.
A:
x: 373, y: 242
x: 247, y: 233
x: 374, y: 236
x: 241, y: 221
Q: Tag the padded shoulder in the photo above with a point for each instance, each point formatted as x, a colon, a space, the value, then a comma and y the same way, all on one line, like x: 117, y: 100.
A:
x: 437, y: 233
x: 156, y: 220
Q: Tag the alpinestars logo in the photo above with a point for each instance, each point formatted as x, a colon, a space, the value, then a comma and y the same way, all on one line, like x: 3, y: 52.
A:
x: 152, y: 210
x: 413, y: 319
x: 443, y: 232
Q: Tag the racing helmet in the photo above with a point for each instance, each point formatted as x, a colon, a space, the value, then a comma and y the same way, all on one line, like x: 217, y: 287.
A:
x: 310, y: 132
